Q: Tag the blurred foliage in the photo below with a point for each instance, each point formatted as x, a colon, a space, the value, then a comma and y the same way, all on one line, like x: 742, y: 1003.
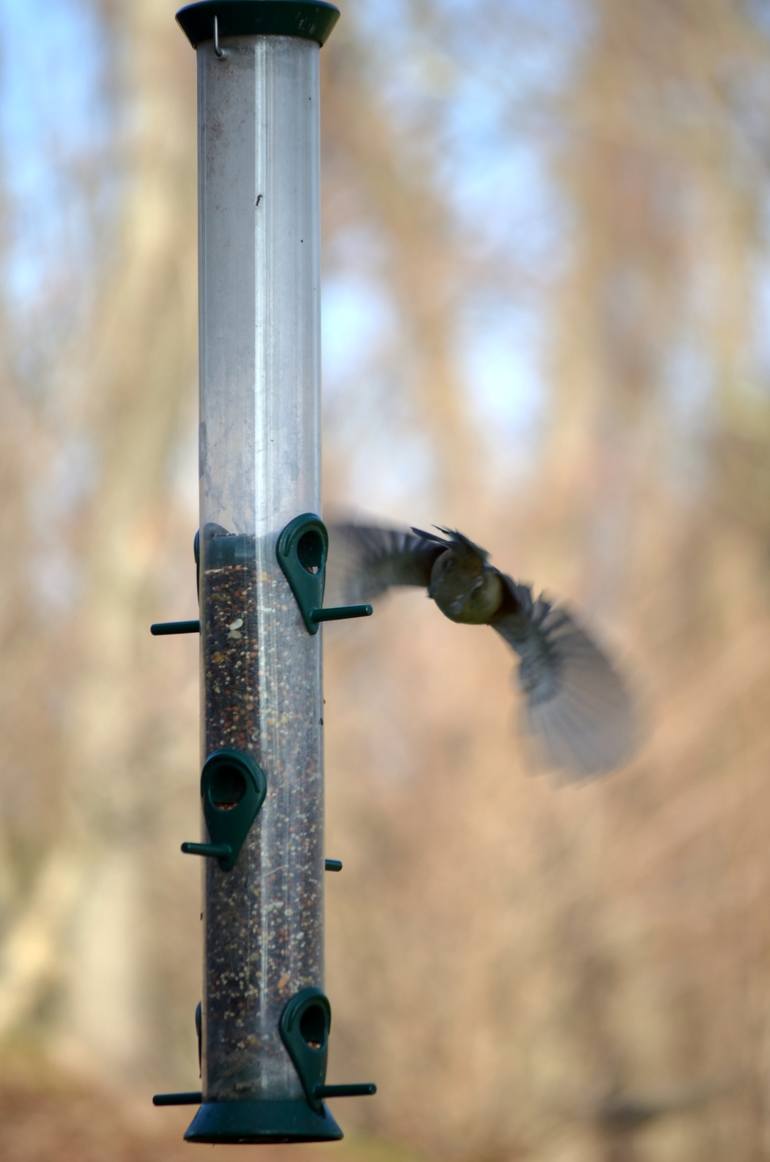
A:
x: 547, y: 303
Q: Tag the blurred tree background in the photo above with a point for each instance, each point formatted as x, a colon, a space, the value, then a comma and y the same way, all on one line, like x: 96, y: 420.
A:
x: 546, y: 320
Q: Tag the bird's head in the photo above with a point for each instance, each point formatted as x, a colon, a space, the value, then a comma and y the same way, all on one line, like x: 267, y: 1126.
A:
x: 462, y: 584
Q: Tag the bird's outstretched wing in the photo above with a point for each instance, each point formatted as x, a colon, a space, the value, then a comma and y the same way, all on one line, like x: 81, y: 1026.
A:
x: 365, y: 560
x: 575, y: 703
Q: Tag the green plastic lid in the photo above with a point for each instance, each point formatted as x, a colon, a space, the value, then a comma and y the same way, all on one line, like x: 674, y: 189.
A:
x: 307, y: 19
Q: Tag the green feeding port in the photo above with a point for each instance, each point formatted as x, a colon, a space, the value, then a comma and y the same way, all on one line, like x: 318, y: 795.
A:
x: 302, y: 550
x: 233, y: 788
x: 304, y: 1026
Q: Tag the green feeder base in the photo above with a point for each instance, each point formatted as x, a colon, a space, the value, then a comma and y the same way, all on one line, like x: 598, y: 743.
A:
x: 262, y: 1121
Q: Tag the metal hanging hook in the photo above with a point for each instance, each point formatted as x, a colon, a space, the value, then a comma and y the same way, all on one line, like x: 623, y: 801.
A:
x: 219, y: 51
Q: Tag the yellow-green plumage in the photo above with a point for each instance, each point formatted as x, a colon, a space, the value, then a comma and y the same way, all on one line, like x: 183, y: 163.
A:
x: 575, y: 704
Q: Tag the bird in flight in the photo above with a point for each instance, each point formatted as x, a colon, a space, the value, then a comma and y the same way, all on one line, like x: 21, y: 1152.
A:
x: 575, y: 704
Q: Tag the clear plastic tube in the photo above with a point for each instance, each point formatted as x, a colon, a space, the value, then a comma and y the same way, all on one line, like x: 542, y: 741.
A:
x: 259, y: 467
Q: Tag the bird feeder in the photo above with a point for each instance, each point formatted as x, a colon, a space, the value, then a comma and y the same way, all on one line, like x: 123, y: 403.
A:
x: 261, y: 551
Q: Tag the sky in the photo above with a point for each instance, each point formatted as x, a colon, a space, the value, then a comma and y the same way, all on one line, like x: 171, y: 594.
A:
x: 49, y: 113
